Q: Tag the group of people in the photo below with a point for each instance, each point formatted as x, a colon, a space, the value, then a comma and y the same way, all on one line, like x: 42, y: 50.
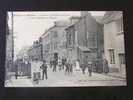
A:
x: 67, y: 66
x: 90, y: 65
x: 61, y: 64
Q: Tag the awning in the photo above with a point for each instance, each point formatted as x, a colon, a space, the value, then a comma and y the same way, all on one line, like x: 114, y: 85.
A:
x: 84, y: 49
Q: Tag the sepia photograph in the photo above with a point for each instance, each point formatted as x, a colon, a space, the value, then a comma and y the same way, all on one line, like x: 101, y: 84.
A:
x: 65, y: 49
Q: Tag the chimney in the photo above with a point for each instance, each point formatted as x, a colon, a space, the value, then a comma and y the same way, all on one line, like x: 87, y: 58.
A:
x: 85, y: 13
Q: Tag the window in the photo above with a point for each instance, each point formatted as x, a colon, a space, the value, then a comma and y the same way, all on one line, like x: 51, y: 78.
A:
x: 51, y: 46
x: 76, y: 41
x: 55, y: 34
x: 119, y: 25
x: 64, y: 44
x: 112, y: 56
x: 55, y: 45
x: 69, y: 38
x: 48, y: 46
x: 122, y: 58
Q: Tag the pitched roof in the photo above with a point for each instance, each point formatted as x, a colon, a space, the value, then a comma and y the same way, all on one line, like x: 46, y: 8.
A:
x: 111, y: 15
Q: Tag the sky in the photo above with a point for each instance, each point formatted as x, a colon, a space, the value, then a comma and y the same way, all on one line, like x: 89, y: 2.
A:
x: 29, y: 26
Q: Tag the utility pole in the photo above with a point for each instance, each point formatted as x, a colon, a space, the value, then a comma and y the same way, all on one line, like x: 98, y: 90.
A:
x: 86, y: 33
x: 86, y: 38
x: 12, y: 18
x: 97, y: 50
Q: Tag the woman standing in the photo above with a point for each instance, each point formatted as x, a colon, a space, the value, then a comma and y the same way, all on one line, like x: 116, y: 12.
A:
x: 105, y: 66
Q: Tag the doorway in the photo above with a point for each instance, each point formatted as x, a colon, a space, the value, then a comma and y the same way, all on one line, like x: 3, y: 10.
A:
x: 122, y: 62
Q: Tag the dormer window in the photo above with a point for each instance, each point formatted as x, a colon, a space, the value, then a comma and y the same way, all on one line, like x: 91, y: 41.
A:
x: 119, y: 25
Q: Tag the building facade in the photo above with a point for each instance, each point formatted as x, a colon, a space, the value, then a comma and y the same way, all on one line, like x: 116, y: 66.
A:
x: 114, y: 41
x: 35, y: 51
x: 54, y: 41
x: 46, y: 45
x: 85, y: 40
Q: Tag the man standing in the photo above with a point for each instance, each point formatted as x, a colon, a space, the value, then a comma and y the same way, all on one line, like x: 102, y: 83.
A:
x: 29, y: 69
x: 16, y: 70
x: 90, y: 68
x: 63, y: 62
x: 54, y: 65
x: 70, y: 67
x: 51, y: 63
x: 67, y: 65
x: 83, y: 67
x: 44, y: 70
x: 59, y: 64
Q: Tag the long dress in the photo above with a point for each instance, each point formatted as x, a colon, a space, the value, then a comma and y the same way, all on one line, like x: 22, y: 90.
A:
x: 77, y: 65
x: 105, y: 66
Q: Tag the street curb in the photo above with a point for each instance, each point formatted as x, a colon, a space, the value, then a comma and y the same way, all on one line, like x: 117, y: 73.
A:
x: 115, y: 76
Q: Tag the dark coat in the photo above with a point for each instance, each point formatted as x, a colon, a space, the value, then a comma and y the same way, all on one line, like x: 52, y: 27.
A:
x: 16, y: 69
x: 55, y: 62
x: 43, y: 66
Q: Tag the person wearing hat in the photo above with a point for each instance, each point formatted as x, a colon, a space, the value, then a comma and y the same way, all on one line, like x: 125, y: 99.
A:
x: 44, y: 70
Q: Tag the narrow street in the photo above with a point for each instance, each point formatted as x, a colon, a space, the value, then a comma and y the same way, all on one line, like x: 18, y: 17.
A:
x: 59, y: 79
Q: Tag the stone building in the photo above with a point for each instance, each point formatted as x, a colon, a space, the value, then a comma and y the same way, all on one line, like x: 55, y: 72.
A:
x: 46, y: 45
x: 54, y: 41
x: 35, y: 51
x: 85, y: 40
x: 114, y: 41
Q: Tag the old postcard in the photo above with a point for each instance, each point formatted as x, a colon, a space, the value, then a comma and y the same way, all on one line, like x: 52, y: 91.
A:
x: 65, y: 49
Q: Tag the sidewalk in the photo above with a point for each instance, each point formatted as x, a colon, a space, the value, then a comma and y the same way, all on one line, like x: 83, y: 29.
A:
x: 117, y: 75
x: 20, y: 82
